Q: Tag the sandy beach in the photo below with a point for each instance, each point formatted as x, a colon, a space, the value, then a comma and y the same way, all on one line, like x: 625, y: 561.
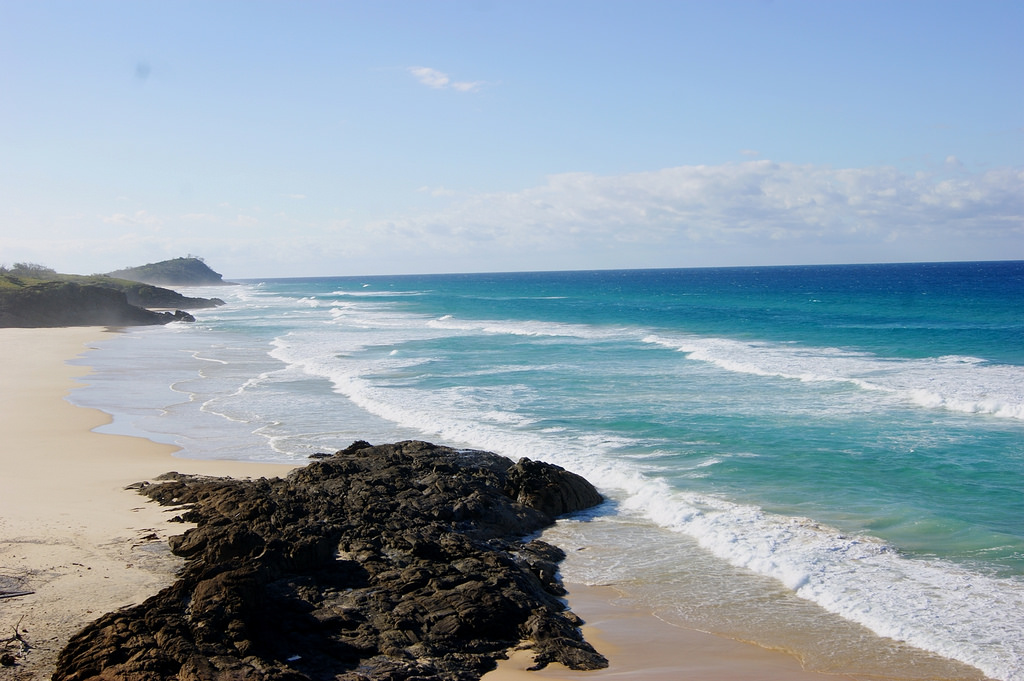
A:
x: 79, y: 542
x: 70, y: 531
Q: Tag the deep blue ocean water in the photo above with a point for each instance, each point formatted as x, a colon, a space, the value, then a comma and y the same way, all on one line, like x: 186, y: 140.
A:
x: 788, y: 450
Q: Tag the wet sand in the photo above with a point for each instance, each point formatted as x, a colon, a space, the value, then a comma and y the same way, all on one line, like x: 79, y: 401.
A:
x: 638, y: 645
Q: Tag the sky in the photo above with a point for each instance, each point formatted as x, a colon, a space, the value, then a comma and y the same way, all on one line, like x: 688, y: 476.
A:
x: 280, y: 139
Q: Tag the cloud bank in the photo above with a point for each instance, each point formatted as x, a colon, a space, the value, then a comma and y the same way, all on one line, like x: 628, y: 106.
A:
x: 751, y: 213
x: 764, y: 206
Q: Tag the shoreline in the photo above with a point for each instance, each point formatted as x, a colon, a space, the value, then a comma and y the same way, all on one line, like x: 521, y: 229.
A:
x: 638, y: 644
x: 71, y: 533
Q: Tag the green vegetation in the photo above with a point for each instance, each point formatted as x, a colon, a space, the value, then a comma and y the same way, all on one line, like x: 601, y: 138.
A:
x: 137, y: 293
x: 29, y: 270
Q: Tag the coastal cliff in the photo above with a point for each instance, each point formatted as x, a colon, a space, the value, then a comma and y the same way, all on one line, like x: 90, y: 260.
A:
x: 401, y: 561
x: 63, y: 303
x: 33, y: 296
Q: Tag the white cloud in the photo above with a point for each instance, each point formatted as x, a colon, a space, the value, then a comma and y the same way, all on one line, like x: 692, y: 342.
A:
x: 436, y: 191
x: 136, y: 219
x: 200, y: 217
x: 466, y: 86
x: 430, y: 77
x: 440, y: 81
x: 244, y: 221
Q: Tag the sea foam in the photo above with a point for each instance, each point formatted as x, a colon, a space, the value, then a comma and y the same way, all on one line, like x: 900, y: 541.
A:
x: 963, y: 384
x: 402, y: 365
x: 935, y: 605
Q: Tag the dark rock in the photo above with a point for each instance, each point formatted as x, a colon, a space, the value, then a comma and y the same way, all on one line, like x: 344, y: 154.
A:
x: 150, y: 296
x: 549, y: 488
x: 145, y: 295
x: 400, y: 561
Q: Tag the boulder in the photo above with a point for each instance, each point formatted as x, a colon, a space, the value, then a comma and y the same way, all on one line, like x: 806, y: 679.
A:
x: 550, y: 488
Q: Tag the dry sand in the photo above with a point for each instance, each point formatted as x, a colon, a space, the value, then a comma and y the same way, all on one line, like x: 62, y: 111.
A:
x: 83, y: 544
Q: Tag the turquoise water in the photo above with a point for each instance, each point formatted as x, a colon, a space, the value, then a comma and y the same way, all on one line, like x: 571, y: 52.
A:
x: 854, y: 435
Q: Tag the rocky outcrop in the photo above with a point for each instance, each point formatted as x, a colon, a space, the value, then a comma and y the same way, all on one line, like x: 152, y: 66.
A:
x: 147, y: 295
x: 402, y: 561
x: 60, y: 303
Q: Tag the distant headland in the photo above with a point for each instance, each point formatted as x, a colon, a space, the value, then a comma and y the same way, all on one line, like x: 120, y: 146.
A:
x: 187, y: 271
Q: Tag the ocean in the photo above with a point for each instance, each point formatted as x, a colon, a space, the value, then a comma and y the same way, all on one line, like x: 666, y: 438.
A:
x: 827, y: 460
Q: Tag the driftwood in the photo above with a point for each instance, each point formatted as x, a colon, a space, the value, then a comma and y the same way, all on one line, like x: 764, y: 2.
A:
x: 14, y: 594
x: 17, y: 636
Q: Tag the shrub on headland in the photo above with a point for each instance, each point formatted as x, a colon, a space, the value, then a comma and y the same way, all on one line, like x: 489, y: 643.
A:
x: 28, y: 270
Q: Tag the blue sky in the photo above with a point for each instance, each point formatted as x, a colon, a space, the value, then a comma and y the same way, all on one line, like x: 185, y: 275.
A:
x: 320, y: 138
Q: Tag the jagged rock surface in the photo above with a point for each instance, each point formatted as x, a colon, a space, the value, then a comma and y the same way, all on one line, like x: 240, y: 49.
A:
x: 399, y: 561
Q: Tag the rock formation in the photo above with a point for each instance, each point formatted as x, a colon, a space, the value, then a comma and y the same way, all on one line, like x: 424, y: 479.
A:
x: 61, y: 303
x: 402, y: 561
